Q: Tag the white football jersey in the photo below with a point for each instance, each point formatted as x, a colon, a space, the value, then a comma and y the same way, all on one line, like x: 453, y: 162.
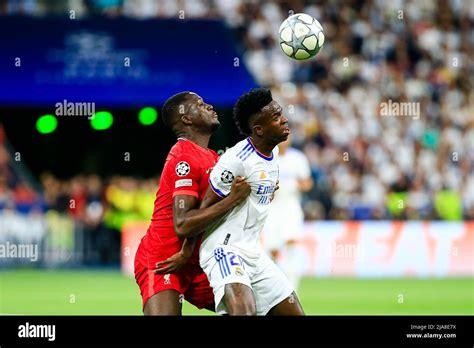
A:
x: 241, y: 227
x: 294, y: 166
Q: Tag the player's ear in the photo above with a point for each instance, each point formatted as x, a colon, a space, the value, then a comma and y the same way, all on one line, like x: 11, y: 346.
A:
x: 186, y: 119
x: 258, y: 130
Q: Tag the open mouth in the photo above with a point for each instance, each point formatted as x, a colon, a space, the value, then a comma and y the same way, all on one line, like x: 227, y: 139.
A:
x: 286, y: 130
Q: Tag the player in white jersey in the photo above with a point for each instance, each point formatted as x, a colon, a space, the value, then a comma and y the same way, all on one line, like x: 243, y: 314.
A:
x: 244, y: 279
x: 285, y: 220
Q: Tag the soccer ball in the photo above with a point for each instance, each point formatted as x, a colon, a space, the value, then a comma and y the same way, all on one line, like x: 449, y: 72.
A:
x: 301, y: 36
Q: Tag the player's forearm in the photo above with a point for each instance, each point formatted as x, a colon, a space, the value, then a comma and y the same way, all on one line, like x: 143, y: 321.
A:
x: 196, y: 221
x: 304, y: 185
x: 188, y: 246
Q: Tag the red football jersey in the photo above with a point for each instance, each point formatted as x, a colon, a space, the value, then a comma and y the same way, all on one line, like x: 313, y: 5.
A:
x: 186, y: 172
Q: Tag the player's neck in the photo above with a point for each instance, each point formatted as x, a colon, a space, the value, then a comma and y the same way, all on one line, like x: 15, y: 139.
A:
x: 200, y: 139
x: 264, y: 148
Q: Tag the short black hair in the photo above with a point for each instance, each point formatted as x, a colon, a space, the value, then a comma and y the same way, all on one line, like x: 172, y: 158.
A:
x: 248, y: 105
x: 171, y: 108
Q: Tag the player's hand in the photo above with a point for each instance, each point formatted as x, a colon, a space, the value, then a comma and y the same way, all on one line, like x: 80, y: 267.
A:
x: 276, y: 189
x: 240, y: 189
x: 172, y: 264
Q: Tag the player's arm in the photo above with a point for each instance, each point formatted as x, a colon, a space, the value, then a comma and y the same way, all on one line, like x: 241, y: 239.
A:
x: 306, y: 184
x: 305, y: 180
x: 189, y: 221
x: 210, y: 198
x: 226, y: 178
x: 190, y: 218
x: 178, y: 260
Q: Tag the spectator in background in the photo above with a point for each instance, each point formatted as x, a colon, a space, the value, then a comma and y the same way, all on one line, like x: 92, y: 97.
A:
x: 121, y: 198
x: 447, y: 205
x: 60, y: 238
x: 146, y: 197
x: 109, y: 8
x: 19, y: 7
x: 26, y: 199
x: 102, y: 244
x: 6, y: 195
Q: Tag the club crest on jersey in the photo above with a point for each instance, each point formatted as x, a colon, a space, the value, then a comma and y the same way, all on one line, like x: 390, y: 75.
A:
x: 227, y: 177
x: 167, y: 279
x: 182, y: 168
x: 239, y: 271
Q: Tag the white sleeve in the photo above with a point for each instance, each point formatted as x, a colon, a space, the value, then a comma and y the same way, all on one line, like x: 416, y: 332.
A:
x: 304, y: 171
x: 224, y: 172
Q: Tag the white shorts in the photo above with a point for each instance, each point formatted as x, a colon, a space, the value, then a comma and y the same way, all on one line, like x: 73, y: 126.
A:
x: 268, y: 283
x: 279, y: 230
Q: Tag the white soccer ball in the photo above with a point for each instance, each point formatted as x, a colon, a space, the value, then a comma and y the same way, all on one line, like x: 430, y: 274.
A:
x: 301, y: 36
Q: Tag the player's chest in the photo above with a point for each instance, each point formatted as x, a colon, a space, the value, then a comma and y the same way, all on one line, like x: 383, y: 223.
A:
x: 262, y: 172
x: 201, y: 166
x: 206, y: 166
x: 263, y: 179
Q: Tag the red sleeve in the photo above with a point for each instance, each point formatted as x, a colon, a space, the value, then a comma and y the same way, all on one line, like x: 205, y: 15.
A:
x: 186, y: 175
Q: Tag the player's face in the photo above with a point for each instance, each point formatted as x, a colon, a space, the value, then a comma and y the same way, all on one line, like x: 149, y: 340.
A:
x: 203, y: 114
x: 274, y: 124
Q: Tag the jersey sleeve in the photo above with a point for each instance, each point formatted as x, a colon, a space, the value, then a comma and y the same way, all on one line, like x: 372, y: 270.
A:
x: 304, y: 171
x: 186, y: 173
x: 224, y: 172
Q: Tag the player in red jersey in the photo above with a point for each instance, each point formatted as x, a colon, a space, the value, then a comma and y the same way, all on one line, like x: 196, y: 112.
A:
x: 167, y: 266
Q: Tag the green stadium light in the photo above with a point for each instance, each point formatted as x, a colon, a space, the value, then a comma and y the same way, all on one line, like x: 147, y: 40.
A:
x: 46, y: 124
x: 147, y: 116
x: 102, y: 120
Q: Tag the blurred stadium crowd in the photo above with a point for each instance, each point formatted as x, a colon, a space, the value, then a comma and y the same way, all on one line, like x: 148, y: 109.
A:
x: 365, y: 165
x: 83, y: 216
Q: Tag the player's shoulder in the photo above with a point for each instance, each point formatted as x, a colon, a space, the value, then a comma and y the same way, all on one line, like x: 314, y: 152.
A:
x: 246, y: 152
x: 295, y: 155
x: 239, y: 152
x: 294, y: 152
x: 187, y: 149
x: 178, y: 148
x: 296, y: 158
x: 182, y: 152
x: 213, y: 154
x: 183, y: 146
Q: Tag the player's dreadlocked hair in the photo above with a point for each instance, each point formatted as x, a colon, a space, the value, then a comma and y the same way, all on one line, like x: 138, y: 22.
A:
x: 248, y: 105
x: 171, y: 108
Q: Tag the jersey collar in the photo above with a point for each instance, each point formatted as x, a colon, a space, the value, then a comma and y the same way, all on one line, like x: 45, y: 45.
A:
x: 193, y: 144
x: 266, y: 158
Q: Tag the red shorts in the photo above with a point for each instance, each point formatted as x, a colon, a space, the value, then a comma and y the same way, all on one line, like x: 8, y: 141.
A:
x: 191, y: 281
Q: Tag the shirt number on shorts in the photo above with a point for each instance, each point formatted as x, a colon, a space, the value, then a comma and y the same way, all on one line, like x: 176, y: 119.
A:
x: 232, y: 259
x: 225, y: 263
